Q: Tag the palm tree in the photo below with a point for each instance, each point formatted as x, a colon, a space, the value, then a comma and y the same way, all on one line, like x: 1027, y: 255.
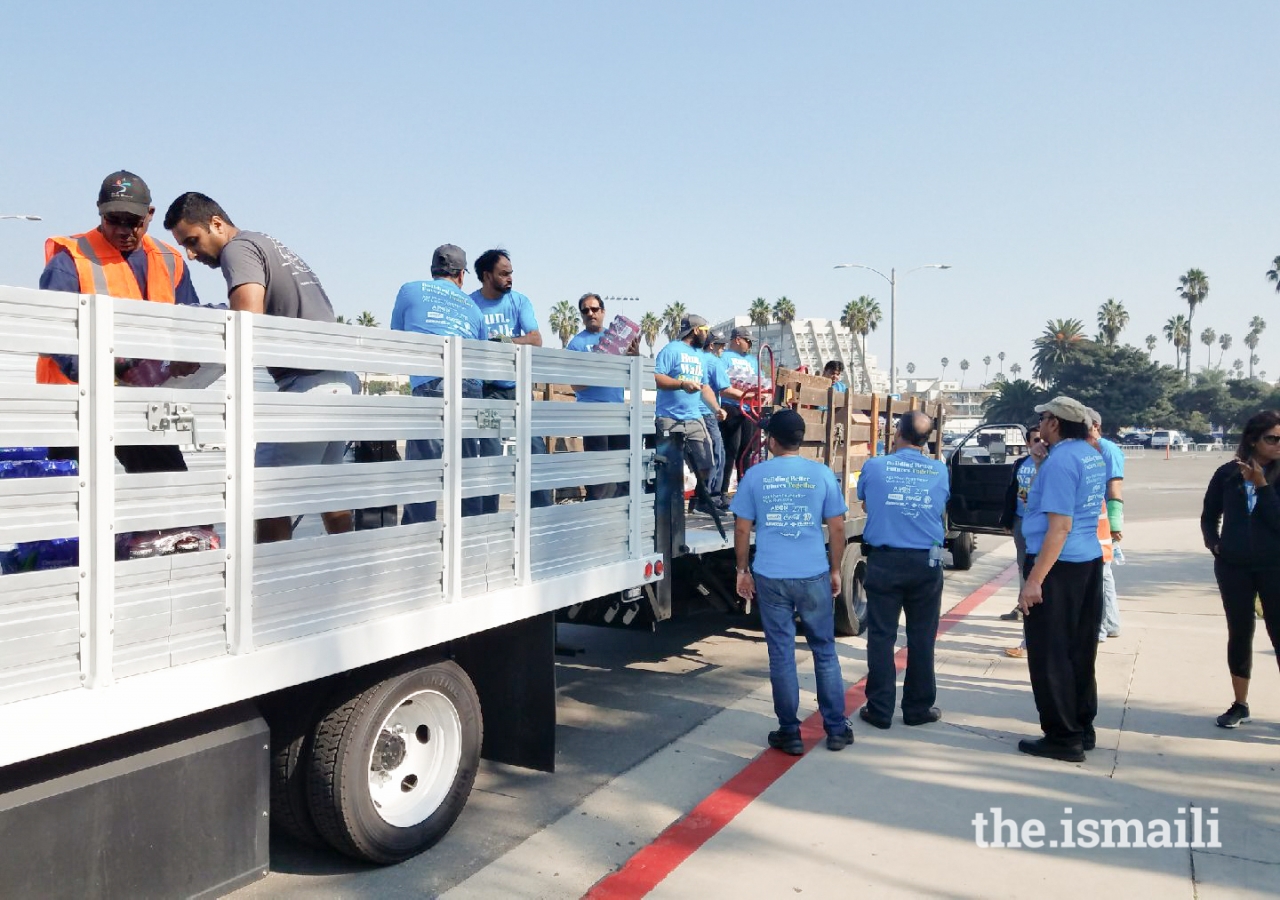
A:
x: 1274, y: 272
x: 367, y: 319
x: 760, y: 313
x: 671, y: 317
x: 1225, y: 343
x: 945, y: 362
x: 1258, y: 324
x: 1192, y: 287
x: 1251, y: 341
x: 784, y: 311
x: 1152, y: 340
x: 342, y: 320
x: 862, y: 316
x: 1014, y: 370
x: 1238, y: 365
x: 986, y: 367
x: 964, y: 367
x: 911, y: 368
x: 1112, y: 318
x: 1176, y: 331
x: 564, y: 321
x: 650, y: 326
x: 1013, y: 401
x: 1000, y: 356
x: 1061, y: 341
x: 1207, y: 337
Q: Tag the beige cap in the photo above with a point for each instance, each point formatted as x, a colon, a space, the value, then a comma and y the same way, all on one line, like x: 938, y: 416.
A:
x: 1067, y: 408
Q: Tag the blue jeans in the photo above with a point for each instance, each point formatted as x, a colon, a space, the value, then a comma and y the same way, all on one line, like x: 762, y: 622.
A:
x: 716, y: 476
x: 434, y: 449
x: 1110, y: 602
x: 899, y: 581
x: 493, y: 447
x: 781, y: 600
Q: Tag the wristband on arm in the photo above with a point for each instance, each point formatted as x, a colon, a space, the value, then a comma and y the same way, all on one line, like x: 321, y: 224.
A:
x: 1115, y: 515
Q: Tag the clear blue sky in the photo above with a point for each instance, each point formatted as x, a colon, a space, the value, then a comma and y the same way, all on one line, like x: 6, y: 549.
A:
x: 1054, y: 154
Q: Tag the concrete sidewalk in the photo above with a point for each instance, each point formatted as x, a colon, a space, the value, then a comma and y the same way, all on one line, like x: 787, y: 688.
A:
x: 894, y: 813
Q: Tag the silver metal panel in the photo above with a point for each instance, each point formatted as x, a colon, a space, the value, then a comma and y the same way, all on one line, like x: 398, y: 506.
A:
x: 169, y: 500
x: 299, y: 343
x: 486, y: 475
x: 313, y: 417
x: 476, y: 411
x: 578, y: 535
x: 39, y: 633
x: 489, y: 360
x: 33, y: 509
x: 293, y: 490
x: 43, y: 321
x: 162, y: 331
x: 129, y: 417
x: 39, y: 680
x: 166, y: 600
x: 39, y: 415
x: 566, y: 469
x: 583, y: 419
x: 488, y: 552
x: 571, y: 367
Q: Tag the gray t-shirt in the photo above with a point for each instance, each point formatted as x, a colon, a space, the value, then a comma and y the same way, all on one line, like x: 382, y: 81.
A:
x: 293, y: 290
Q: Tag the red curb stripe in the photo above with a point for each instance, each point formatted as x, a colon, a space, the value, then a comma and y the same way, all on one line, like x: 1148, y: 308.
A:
x: 652, y: 864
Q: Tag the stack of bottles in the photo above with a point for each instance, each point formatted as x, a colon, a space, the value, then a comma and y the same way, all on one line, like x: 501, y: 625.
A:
x: 54, y: 553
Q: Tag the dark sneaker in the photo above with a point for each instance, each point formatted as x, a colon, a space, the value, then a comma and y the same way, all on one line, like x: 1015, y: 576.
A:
x: 1089, y: 741
x: 932, y: 715
x: 1012, y: 615
x: 1234, y: 717
x: 865, y: 715
x: 841, y: 739
x: 787, y: 741
x: 1051, y: 750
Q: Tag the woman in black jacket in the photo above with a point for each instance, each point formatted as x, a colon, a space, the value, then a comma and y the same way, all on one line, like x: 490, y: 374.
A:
x: 1241, y: 527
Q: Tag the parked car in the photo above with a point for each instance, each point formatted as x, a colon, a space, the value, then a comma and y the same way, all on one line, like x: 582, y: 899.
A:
x: 1164, y: 438
x: 1136, y: 439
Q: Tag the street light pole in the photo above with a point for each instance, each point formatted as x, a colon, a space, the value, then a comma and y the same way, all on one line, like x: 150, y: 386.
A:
x: 892, y: 278
x: 28, y: 218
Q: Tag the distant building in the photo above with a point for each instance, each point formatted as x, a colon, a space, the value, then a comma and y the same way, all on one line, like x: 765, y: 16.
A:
x: 812, y: 343
x: 963, y: 407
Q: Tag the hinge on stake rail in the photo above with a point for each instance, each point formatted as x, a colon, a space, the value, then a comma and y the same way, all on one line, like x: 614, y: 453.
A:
x: 489, y: 418
x: 177, y: 416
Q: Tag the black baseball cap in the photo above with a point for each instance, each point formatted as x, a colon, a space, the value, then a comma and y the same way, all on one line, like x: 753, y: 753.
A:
x: 786, y: 425
x: 743, y: 333
x: 689, y: 324
x: 715, y: 338
x: 449, y: 259
x: 124, y: 192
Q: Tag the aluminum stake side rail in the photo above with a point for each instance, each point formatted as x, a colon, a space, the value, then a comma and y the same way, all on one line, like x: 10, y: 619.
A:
x: 108, y: 648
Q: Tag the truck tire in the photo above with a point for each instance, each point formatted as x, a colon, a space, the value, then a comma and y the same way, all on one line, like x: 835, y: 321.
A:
x: 392, y: 766
x: 851, y: 605
x: 962, y: 551
x: 291, y: 731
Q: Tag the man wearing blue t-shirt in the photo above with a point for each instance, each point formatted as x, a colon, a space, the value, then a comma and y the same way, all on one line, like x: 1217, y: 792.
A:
x: 439, y: 306
x: 905, y: 497
x: 591, y: 308
x: 787, y: 499
x: 717, y: 380
x: 508, y: 317
x: 679, y: 373
x: 1115, y: 516
x: 1061, y: 596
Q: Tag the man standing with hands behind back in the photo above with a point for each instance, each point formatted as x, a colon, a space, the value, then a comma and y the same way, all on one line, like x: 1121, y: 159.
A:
x: 788, y: 499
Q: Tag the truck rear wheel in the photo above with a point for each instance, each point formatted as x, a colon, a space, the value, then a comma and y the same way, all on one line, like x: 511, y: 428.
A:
x: 392, y: 766
x: 292, y: 724
x: 962, y: 551
x: 851, y: 605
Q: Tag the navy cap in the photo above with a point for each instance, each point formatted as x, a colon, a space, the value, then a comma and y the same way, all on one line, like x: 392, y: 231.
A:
x: 786, y: 425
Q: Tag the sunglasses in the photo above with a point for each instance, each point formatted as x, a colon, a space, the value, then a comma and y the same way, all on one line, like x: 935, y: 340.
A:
x: 123, y: 220
x: 1271, y: 439
x: 591, y: 309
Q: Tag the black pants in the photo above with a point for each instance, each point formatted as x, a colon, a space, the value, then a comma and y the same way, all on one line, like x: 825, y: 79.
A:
x: 1239, y: 585
x: 902, y: 581
x: 493, y: 447
x: 1062, y: 649
x: 136, y: 459
x: 600, y: 442
x: 737, y: 431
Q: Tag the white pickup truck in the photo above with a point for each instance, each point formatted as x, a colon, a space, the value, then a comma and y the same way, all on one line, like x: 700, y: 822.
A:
x: 150, y: 707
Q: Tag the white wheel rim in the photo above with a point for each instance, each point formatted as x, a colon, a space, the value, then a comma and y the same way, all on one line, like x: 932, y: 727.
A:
x: 415, y: 756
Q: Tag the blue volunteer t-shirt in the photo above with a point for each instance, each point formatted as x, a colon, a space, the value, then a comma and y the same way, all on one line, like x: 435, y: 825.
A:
x: 436, y: 307
x: 1024, y: 475
x: 716, y: 377
x: 906, y: 494
x: 1070, y: 482
x: 583, y: 342
x: 738, y: 365
x: 788, y: 497
x: 679, y: 360
x: 511, y: 315
x: 1114, y: 457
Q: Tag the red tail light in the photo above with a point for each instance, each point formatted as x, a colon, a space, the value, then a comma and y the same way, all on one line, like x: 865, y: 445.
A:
x: 648, y: 570
x: 657, y: 568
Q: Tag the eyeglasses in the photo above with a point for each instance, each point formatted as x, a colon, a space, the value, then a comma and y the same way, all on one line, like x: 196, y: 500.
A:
x: 1271, y: 439
x: 591, y: 309
x: 123, y: 220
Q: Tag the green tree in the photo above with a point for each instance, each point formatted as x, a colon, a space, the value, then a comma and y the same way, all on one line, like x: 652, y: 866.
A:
x: 1225, y: 343
x: 367, y: 319
x: 1177, y: 331
x: 911, y: 368
x: 784, y: 311
x: 342, y: 320
x: 1207, y: 337
x: 1121, y: 383
x: 760, y: 313
x: 564, y: 321
x: 1152, y: 340
x: 1013, y: 401
x: 1274, y: 272
x: 1061, y: 341
x: 1251, y: 341
x: 671, y: 317
x: 1193, y: 288
x: 964, y: 367
x: 1000, y: 356
x: 650, y: 327
x: 1015, y: 370
x: 986, y: 368
x: 945, y: 362
x: 861, y: 317
x: 1112, y: 319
